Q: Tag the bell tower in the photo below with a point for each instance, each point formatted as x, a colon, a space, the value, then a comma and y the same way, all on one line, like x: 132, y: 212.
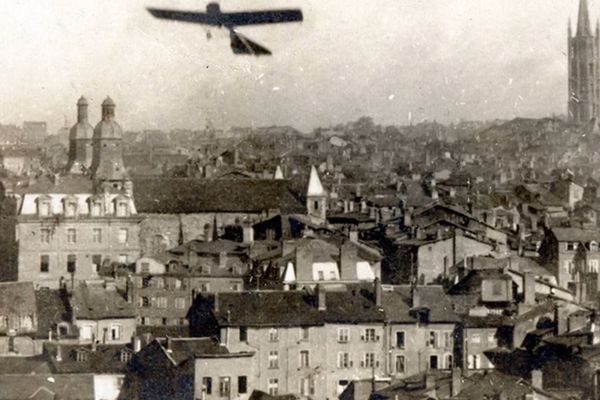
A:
x: 80, y: 141
x: 316, y: 198
x: 584, y: 74
x: 107, y: 161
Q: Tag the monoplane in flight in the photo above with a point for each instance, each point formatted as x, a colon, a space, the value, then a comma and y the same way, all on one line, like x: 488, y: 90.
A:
x: 230, y: 20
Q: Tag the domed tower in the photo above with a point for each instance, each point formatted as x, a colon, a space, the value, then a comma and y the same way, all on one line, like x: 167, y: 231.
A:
x: 80, y: 141
x: 107, y: 161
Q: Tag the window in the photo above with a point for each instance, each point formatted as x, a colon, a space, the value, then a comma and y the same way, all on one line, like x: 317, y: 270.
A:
x: 473, y: 361
x: 307, y: 387
x: 400, y: 340
x: 145, y: 302
x: 370, y: 335
x: 207, y: 385
x: 242, y: 384
x: 304, y: 332
x: 243, y: 334
x: 448, y: 340
x: 343, y: 360
x: 224, y: 386
x: 449, y: 361
x: 115, y: 332
x: 369, y: 360
x: 81, y: 356
x: 400, y: 366
x: 304, y: 359
x: 332, y: 275
x: 97, y: 235
x: 161, y: 302
x: 71, y: 263
x: 205, y: 287
x: 593, y: 266
x: 496, y: 288
x: 123, y: 235
x: 96, y: 209
x: 273, y: 359
x: 44, y: 263
x: 125, y: 356
x: 273, y: 386
x: 433, y: 362
x: 476, y: 338
x: 71, y: 236
x: 321, y: 275
x: 572, y: 246
x: 122, y: 209
x: 491, y: 339
x: 122, y: 258
x: 273, y: 335
x: 44, y: 209
x: 45, y: 235
x: 343, y: 335
x: 145, y: 267
x: 97, y: 261
x: 159, y: 283
x: 180, y: 302
x: 593, y: 246
x: 432, y: 341
x: 3, y: 321
x: 26, y: 322
x: 70, y: 209
x: 11, y: 344
x: 569, y: 266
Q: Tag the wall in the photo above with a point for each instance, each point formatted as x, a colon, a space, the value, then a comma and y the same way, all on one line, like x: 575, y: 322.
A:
x: 98, y: 326
x: 232, y: 367
x: 107, y: 387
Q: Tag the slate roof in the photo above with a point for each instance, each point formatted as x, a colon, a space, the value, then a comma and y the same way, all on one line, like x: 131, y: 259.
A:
x: 576, y: 234
x: 471, y: 283
x: 93, y: 301
x: 493, y: 383
x: 17, y: 298
x: 106, y: 359
x: 188, y: 195
x: 24, y: 365
x: 297, y: 308
x: 67, y: 184
x: 63, y: 386
x: 398, y: 303
x: 55, y: 310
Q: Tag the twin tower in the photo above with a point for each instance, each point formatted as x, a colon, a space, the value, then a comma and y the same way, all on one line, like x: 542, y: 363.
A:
x: 584, y: 68
x: 98, y: 151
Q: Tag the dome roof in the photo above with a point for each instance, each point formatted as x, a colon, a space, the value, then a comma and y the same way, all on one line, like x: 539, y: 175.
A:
x: 108, y: 101
x: 108, y: 129
x: 81, y: 130
x: 82, y: 101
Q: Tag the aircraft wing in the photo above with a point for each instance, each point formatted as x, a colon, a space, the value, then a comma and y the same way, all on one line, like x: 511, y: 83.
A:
x: 240, y: 44
x: 261, y: 17
x: 186, y: 16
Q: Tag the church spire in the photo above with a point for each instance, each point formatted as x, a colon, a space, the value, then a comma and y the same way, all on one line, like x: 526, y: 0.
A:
x: 583, y: 20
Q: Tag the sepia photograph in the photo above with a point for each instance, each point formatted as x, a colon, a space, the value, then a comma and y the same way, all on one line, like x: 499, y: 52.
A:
x: 300, y: 200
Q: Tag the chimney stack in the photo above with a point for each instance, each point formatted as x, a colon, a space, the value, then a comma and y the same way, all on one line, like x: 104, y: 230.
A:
x: 377, y: 289
x: 529, y: 288
x: 456, y: 381
x: 353, y: 235
x: 222, y: 259
x: 348, y: 258
x: 321, y: 297
x: 247, y: 233
x: 169, y: 343
x: 59, y: 353
x: 537, y: 379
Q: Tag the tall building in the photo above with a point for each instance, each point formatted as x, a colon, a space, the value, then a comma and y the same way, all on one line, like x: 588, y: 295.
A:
x: 80, y: 141
x: 584, y: 69
x: 107, y: 161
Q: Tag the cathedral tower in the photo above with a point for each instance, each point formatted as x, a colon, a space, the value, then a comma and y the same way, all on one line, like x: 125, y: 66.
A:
x: 80, y: 141
x: 584, y: 74
x: 107, y: 162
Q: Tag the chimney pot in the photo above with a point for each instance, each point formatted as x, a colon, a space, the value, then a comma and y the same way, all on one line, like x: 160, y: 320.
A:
x: 321, y: 298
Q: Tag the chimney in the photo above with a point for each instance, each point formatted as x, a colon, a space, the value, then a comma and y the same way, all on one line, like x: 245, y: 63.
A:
x: 56, y: 179
x: 216, y: 302
x: 529, y: 288
x: 321, y: 297
x: 560, y: 320
x: 94, y: 343
x: 353, y: 235
x: 377, y: 289
x: 429, y: 381
x: 415, y: 297
x: 456, y: 382
x: 407, y: 218
x: 169, y: 343
x: 348, y: 258
x: 59, y: 353
x: 82, y: 109
x: 222, y: 259
x: 537, y: 379
x: 136, y: 344
x: 207, y: 232
x: 247, y: 233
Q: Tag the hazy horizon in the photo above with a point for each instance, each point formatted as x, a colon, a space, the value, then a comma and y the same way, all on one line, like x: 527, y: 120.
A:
x: 445, y: 61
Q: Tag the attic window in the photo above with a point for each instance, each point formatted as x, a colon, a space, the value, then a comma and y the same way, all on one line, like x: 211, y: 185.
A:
x: 81, y: 356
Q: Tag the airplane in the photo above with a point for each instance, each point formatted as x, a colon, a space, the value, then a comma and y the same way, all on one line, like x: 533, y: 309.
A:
x: 213, y: 16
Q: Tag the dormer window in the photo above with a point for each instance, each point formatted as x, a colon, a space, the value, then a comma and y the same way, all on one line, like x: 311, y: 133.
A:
x: 70, y: 208
x: 96, y: 207
x: 593, y: 246
x: 122, y: 208
x: 44, y: 207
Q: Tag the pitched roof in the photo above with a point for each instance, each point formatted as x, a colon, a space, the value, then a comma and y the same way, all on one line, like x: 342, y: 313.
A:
x: 576, y: 234
x: 471, y: 283
x: 315, y: 188
x: 398, y: 303
x: 93, y: 301
x: 17, y: 298
x: 55, y: 310
x: 67, y: 184
x: 189, y: 195
x: 63, y: 386
x: 104, y: 359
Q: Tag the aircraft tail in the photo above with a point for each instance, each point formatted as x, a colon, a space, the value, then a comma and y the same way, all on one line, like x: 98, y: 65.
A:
x: 240, y: 44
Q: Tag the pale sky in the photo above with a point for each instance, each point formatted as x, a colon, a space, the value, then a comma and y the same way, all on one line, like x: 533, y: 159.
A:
x: 435, y: 59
